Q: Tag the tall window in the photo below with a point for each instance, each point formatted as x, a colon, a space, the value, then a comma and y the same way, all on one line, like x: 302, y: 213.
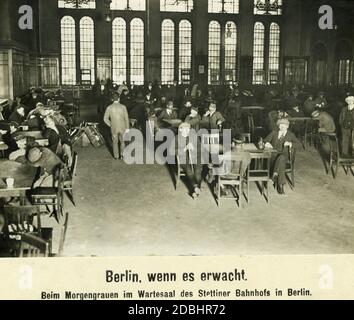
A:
x: 268, y: 7
x: 137, y: 51
x: 274, y: 50
x: 76, y: 4
x: 138, y: 5
x: 223, y: 6
x: 68, y: 51
x: 214, y: 52
x: 344, y: 63
x: 258, y: 54
x: 230, y: 51
x: 87, y: 50
x: 119, y: 43
x: 185, y: 51
x: 176, y: 6
x: 168, y: 51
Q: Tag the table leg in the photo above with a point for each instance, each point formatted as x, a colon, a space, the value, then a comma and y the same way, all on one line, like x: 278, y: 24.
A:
x: 22, y: 197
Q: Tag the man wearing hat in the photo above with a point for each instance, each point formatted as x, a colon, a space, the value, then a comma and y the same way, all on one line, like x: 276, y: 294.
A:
x: 346, y: 122
x: 212, y: 119
x: 283, y: 141
x: 48, y: 161
x: 325, y: 121
x: 194, y: 118
x: 188, y: 150
x: 321, y: 101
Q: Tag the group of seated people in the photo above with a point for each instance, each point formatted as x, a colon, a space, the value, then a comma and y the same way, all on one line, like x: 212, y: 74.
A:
x: 36, y: 135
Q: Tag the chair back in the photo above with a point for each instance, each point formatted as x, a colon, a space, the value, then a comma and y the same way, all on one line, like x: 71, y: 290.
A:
x: 32, y: 246
x: 260, y: 164
x: 212, y: 142
x: 246, y: 137
x: 233, y: 167
x: 333, y: 145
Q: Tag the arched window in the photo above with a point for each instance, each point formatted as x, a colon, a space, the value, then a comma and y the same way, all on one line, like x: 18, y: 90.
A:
x: 258, y: 54
x: 223, y: 6
x: 167, y: 51
x: 230, y: 51
x: 119, y: 54
x: 87, y: 50
x: 319, y: 64
x: 274, y: 51
x: 137, y: 51
x: 185, y: 51
x: 68, y: 51
x: 214, y: 52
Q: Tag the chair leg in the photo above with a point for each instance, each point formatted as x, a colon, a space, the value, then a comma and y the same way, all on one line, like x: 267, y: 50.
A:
x: 218, y: 195
x: 267, y: 185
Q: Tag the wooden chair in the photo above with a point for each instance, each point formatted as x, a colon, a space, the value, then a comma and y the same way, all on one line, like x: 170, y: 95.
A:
x: 33, y: 246
x: 19, y: 217
x: 234, y: 179
x: 290, y: 167
x: 51, y: 196
x: 68, y: 183
x: 311, y: 136
x: 259, y: 172
x: 211, y: 142
x: 335, y: 158
x: 246, y: 137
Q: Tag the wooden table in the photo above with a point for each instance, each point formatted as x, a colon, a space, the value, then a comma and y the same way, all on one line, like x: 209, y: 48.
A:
x: 24, y: 176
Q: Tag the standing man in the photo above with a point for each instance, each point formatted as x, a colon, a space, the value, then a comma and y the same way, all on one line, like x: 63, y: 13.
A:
x: 346, y: 122
x: 116, y: 117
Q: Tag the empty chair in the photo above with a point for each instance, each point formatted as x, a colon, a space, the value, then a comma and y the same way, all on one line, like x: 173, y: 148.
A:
x: 233, y: 175
x: 259, y: 172
x: 335, y: 157
x: 246, y: 137
x: 33, y: 246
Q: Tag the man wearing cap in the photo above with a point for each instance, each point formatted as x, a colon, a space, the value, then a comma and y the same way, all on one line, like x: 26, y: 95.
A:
x: 325, y: 121
x: 283, y: 141
x: 212, y: 119
x: 188, y: 150
x: 346, y: 122
x: 48, y: 161
x: 116, y: 117
x: 167, y: 114
x: 18, y: 116
x: 193, y: 118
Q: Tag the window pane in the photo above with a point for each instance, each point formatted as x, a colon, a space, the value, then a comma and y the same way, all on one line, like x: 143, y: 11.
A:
x: 223, y: 6
x: 274, y: 48
x: 261, y: 7
x: 258, y: 54
x: 185, y: 51
x: 119, y: 54
x: 137, y: 51
x: 176, y: 6
x: 168, y: 52
x: 87, y: 49
x: 230, y: 51
x: 128, y: 5
x: 68, y: 51
x: 214, y: 53
x: 85, y: 4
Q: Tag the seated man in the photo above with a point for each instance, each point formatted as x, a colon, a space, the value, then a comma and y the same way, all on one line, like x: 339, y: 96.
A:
x: 48, y: 162
x: 58, y: 139
x: 325, y: 121
x: 193, y: 118
x: 18, y: 116
x: 212, y: 119
x: 298, y: 127
x: 24, y: 144
x: 321, y: 101
x: 167, y: 114
x: 185, y: 110
x: 280, y: 140
x: 190, y: 156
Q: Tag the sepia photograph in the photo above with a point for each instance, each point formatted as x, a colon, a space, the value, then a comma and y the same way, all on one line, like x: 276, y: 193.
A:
x: 158, y: 128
